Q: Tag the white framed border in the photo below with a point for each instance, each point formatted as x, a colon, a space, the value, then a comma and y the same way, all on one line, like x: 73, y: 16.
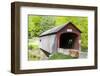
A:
x: 25, y: 64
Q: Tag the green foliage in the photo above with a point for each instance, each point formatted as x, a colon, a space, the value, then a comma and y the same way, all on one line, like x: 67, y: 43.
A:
x: 33, y: 56
x: 60, y: 20
x: 59, y: 56
x: 84, y: 49
x: 31, y: 46
x: 81, y: 23
x: 34, y: 27
x: 39, y: 24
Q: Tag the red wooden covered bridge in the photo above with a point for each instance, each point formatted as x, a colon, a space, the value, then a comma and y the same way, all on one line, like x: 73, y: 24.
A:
x: 61, y: 39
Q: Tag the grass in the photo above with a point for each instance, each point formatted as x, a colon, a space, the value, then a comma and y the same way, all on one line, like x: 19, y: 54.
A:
x: 33, y: 56
x: 33, y: 44
x: 35, y: 53
x: 84, y: 49
x: 32, y: 47
x: 59, y: 56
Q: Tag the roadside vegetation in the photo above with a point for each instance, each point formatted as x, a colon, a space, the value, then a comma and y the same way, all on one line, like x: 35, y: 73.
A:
x: 39, y: 24
x: 56, y: 56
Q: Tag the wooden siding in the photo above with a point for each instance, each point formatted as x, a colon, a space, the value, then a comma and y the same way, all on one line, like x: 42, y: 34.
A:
x: 51, y: 42
x: 48, y: 43
x: 75, y: 31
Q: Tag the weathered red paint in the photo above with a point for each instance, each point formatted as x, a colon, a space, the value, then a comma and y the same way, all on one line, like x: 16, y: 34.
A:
x: 74, y: 30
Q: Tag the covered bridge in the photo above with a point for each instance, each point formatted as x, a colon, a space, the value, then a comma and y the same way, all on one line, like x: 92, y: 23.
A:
x: 65, y: 37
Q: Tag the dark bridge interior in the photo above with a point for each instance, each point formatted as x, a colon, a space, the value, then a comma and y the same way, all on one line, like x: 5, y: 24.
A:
x: 67, y: 40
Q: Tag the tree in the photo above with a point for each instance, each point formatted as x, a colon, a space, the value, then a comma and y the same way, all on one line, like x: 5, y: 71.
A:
x: 33, y: 25
x: 39, y: 24
x: 80, y: 22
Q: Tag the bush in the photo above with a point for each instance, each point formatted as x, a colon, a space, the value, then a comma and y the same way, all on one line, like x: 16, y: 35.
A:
x: 33, y: 57
x: 31, y: 46
x: 84, y: 49
x: 59, y: 56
